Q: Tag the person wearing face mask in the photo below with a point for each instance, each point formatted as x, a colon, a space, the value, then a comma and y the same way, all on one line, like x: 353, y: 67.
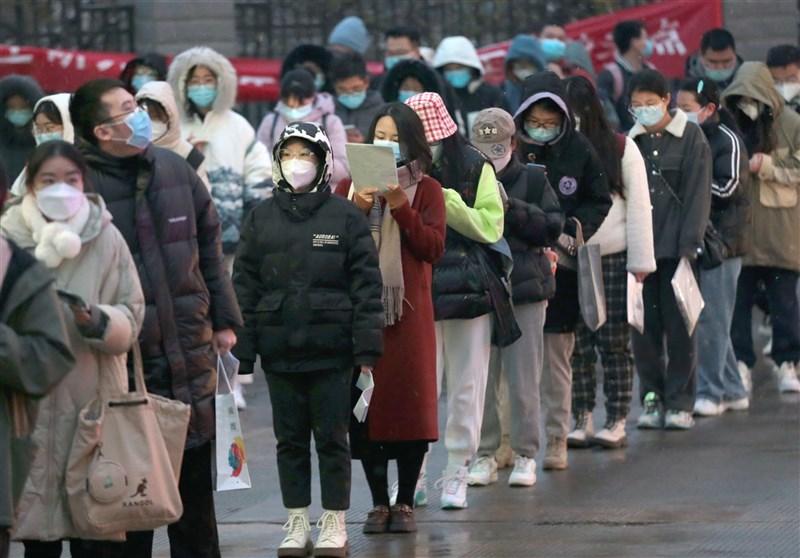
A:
x: 237, y: 164
x: 717, y: 60
x: 143, y: 69
x: 301, y: 102
x: 158, y: 99
x: 719, y: 385
x: 309, y: 286
x: 50, y: 122
x: 679, y: 172
x: 401, y: 43
x: 18, y: 96
x: 771, y: 134
x: 546, y: 136
x: 408, y: 224
x: 318, y: 61
x: 356, y: 103
x: 524, y: 58
x: 626, y: 246
x: 462, y: 307
x: 71, y: 233
x: 564, y: 57
x: 783, y: 62
x: 533, y: 221
x: 633, y: 47
x: 457, y: 61
x: 170, y: 223
x: 412, y: 77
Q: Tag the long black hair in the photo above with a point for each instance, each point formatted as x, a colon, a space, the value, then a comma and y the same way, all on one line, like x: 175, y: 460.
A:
x: 758, y: 134
x: 705, y: 91
x: 56, y: 148
x: 410, y: 132
x: 585, y: 104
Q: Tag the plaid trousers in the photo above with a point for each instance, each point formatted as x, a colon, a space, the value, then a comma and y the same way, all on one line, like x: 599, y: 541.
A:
x: 611, y: 340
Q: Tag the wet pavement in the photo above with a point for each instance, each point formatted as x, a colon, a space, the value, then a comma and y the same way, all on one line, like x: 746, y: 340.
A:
x: 730, y: 487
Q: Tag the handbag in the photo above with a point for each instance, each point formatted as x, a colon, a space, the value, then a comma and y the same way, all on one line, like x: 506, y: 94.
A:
x: 125, y: 460
x: 505, y: 329
x: 231, y: 471
x: 591, y: 292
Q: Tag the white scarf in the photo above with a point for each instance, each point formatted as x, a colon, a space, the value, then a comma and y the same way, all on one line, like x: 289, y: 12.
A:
x: 56, y: 241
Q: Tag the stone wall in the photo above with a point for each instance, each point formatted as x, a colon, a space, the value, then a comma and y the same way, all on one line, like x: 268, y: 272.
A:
x: 172, y: 26
x: 758, y: 25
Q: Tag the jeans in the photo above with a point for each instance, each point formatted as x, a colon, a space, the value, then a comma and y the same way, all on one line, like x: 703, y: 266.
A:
x: 717, y: 374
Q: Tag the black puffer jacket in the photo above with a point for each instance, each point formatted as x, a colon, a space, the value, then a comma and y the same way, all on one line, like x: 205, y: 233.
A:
x: 533, y: 221
x: 307, y: 276
x: 460, y: 290
x: 730, y: 205
x: 166, y: 215
x: 16, y: 144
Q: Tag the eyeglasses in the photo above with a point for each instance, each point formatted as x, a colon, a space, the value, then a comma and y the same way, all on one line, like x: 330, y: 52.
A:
x: 305, y: 154
x: 550, y: 125
x: 109, y: 121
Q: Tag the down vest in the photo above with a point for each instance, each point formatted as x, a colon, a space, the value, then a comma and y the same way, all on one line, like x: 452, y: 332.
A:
x: 166, y: 215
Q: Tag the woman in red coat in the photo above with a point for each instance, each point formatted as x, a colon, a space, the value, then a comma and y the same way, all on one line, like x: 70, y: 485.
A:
x: 408, y: 224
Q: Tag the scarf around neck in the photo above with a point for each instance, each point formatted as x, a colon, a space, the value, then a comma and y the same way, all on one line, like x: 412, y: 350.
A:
x: 56, y: 241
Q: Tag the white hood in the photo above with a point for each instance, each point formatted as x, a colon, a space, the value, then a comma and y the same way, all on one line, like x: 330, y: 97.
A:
x: 214, y: 61
x: 161, y: 92
x: 457, y: 50
x: 61, y: 101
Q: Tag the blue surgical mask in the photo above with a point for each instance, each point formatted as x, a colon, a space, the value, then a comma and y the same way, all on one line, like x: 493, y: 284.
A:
x: 458, y: 78
x: 202, y: 96
x: 649, y: 116
x: 720, y: 75
x: 352, y: 100
x: 319, y: 82
x: 52, y: 136
x: 141, y: 129
x: 404, y: 96
x: 648, y: 49
x: 542, y: 135
x: 295, y: 114
x: 390, y: 61
x: 553, y: 49
x: 398, y: 157
x: 19, y: 117
x: 139, y: 80
x: 693, y: 117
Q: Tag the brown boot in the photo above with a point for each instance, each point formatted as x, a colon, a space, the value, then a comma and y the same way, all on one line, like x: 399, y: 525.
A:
x: 402, y: 519
x: 556, y: 453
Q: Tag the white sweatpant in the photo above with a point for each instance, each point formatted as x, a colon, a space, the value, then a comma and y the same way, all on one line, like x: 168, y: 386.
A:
x: 462, y: 354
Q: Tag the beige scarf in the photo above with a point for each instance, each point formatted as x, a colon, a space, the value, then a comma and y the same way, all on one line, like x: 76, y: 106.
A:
x: 386, y: 234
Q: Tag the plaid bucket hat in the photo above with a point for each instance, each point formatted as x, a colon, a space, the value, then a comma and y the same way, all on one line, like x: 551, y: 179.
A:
x: 435, y: 118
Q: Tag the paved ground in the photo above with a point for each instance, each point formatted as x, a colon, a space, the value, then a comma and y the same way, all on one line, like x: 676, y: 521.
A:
x: 730, y: 487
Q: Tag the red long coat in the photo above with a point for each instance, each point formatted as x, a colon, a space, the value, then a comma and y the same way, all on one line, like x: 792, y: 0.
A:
x: 403, y: 405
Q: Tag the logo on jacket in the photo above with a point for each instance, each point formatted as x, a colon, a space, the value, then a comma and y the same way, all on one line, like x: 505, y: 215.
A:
x: 323, y: 240
x: 567, y: 185
x: 177, y: 219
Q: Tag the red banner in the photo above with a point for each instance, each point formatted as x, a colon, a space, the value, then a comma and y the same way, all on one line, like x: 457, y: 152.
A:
x: 675, y: 27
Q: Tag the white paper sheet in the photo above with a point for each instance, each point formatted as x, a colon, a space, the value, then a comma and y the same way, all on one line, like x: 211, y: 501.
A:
x: 366, y: 384
x: 371, y: 166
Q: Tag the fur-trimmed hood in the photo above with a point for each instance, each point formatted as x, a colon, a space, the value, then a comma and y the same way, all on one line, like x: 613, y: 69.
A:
x: 319, y: 55
x: 227, y: 80
x: 430, y: 79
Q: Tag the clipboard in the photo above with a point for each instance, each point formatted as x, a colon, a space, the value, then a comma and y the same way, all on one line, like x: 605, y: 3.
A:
x: 371, y: 166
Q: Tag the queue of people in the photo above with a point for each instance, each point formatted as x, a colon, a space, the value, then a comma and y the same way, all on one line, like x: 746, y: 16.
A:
x: 146, y: 210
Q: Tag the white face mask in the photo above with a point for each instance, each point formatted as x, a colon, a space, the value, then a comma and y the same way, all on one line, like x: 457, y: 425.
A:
x: 751, y: 109
x: 59, y: 201
x: 577, y: 122
x: 523, y: 73
x: 298, y: 173
x: 788, y: 91
x: 159, y: 129
x: 502, y: 162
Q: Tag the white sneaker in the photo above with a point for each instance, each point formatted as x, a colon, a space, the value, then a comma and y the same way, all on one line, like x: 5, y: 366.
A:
x: 332, y: 541
x: 484, y: 472
x: 524, y: 473
x: 787, y: 378
x: 238, y: 396
x: 298, y: 538
x: 420, y: 492
x: 767, y: 350
x: 707, y: 408
x: 736, y: 404
x: 747, y: 377
x: 582, y: 434
x: 612, y: 435
x: 678, y: 420
x: 454, y: 487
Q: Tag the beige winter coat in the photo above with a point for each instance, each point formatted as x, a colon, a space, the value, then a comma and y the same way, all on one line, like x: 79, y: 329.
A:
x: 103, y: 274
x: 775, y: 191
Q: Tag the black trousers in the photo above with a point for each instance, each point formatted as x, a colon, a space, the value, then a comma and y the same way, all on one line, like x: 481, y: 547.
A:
x: 78, y: 548
x: 194, y: 535
x: 675, y: 381
x: 4, y: 542
x: 781, y: 294
x: 303, y: 403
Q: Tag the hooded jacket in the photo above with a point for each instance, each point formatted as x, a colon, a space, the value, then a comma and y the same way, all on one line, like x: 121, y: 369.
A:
x: 16, y: 144
x: 695, y: 69
x: 775, y: 230
x: 430, y: 79
x: 678, y: 156
x: 319, y: 55
x: 523, y: 47
x: 152, y: 60
x: 170, y: 223
x: 104, y: 275
x: 238, y: 166
x: 161, y: 92
x: 61, y: 101
x: 477, y: 95
x: 34, y: 356
x: 362, y: 116
x: 307, y: 276
x: 322, y: 113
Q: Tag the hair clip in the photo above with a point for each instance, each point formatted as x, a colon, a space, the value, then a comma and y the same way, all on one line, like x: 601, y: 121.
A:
x: 700, y: 85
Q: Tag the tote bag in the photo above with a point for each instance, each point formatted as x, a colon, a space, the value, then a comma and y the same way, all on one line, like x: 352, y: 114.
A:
x: 231, y: 472
x: 591, y: 292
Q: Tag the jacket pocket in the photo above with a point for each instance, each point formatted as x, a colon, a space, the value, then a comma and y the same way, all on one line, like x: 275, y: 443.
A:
x: 777, y: 194
x: 330, y: 308
x: 268, y: 309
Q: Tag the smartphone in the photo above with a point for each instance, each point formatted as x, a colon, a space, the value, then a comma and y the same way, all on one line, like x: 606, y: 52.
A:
x: 72, y: 299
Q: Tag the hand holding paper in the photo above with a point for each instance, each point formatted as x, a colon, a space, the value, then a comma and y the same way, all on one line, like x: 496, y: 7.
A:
x: 371, y: 166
